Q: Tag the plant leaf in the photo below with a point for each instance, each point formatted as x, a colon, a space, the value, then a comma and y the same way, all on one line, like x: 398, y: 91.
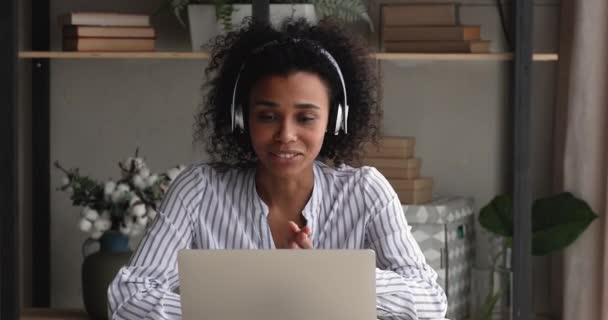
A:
x: 497, y: 216
x: 345, y: 10
x: 489, y: 305
x: 557, y: 221
x: 485, y: 310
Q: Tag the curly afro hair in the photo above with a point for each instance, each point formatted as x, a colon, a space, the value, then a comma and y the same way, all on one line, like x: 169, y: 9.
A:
x: 230, y: 51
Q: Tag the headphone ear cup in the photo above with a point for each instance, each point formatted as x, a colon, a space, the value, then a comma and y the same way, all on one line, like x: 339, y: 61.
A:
x: 239, y: 122
x: 345, y: 125
x: 232, y: 117
x: 338, y: 120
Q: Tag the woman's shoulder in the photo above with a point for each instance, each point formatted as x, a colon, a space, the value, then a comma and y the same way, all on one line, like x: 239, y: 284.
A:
x: 205, y: 173
x: 369, y: 179
x: 365, y: 182
x: 201, y: 180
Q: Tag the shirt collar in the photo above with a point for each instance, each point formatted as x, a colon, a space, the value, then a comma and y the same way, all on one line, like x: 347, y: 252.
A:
x: 257, y: 203
x: 311, y: 209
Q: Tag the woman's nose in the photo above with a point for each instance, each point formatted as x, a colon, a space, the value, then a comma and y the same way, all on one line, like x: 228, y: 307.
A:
x: 286, y: 132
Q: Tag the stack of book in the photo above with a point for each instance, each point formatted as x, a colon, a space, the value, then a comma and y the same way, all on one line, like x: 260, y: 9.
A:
x: 107, y: 32
x: 394, y: 158
x: 429, y: 28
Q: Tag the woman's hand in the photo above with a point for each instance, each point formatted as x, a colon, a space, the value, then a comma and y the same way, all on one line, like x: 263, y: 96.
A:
x: 301, y: 236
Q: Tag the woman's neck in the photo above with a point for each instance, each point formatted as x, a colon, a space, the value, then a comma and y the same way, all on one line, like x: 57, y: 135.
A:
x: 288, y: 195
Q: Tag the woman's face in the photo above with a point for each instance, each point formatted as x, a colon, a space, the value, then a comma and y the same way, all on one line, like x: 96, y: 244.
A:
x: 287, y: 122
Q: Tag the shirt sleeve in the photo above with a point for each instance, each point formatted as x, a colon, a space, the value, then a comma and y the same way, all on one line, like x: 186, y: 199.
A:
x: 406, y: 286
x: 144, y: 289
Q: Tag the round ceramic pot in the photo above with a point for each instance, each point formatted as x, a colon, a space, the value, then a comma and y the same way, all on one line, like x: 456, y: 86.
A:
x: 100, y: 268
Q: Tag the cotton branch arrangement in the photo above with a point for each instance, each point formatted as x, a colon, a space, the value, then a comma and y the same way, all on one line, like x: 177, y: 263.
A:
x: 128, y: 205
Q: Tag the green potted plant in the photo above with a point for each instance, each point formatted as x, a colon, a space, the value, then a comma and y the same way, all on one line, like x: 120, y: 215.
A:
x: 557, y: 221
x: 207, y: 18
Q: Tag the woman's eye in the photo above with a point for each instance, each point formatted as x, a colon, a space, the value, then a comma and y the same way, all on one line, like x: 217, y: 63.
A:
x: 306, y: 119
x: 266, y: 117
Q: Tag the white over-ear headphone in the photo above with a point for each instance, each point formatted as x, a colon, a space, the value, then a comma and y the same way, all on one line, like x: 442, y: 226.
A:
x: 236, y: 111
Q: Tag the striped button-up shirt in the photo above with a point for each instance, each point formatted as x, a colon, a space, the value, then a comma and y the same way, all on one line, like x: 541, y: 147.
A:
x: 350, y: 208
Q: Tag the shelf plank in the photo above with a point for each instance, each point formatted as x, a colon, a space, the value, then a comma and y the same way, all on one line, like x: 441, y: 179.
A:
x: 461, y: 56
x: 205, y: 55
x: 52, y: 314
x: 112, y: 55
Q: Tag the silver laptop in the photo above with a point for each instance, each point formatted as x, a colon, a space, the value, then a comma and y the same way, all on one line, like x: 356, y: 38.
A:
x: 277, y: 284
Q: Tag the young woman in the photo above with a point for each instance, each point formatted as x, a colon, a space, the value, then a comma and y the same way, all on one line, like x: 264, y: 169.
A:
x: 279, y: 101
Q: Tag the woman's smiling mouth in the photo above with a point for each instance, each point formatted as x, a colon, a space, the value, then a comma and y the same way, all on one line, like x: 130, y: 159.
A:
x: 285, y: 156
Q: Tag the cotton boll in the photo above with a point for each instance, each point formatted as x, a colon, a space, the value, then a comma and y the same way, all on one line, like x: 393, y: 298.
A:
x: 164, y: 186
x: 102, y: 224
x: 125, y: 227
x: 126, y: 230
x: 151, y: 213
x: 138, y: 210
x: 105, y: 215
x: 138, y: 182
x: 85, y: 225
x: 134, y: 199
x: 144, y: 172
x: 135, y: 164
x: 151, y: 180
x: 90, y: 214
x: 96, y: 235
x: 109, y: 188
x: 129, y: 164
x: 181, y: 168
x: 117, y: 196
x: 140, y: 163
x: 172, y: 173
x: 123, y: 187
x: 136, y: 230
x: 120, y: 193
x: 65, y: 181
x: 142, y: 221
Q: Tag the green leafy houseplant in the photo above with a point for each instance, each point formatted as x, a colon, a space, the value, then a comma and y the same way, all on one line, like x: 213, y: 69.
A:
x: 557, y: 221
x: 346, y: 10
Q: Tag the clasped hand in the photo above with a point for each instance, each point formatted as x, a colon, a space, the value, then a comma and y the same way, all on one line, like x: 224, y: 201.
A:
x: 300, y: 236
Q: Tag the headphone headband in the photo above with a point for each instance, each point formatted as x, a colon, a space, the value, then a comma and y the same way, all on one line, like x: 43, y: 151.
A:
x: 342, y: 112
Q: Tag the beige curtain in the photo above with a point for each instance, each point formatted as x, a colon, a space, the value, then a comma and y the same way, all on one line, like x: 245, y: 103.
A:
x: 582, y: 152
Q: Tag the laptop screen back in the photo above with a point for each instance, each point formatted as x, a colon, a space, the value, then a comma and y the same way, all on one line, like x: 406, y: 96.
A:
x: 277, y: 284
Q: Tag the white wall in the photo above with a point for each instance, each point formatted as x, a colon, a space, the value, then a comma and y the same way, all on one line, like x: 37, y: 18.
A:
x: 101, y: 110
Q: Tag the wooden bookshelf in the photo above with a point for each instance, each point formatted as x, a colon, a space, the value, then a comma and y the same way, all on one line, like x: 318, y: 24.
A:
x: 205, y: 55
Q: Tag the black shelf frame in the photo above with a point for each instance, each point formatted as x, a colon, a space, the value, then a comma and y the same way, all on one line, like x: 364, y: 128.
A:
x: 522, y: 11
x: 521, y: 126
x: 41, y: 153
x: 9, y: 228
